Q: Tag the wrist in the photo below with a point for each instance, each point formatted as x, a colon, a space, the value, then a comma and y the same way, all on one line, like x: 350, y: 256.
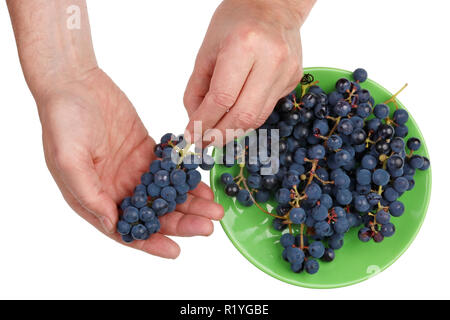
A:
x: 289, y: 13
x: 51, y: 53
x: 298, y: 8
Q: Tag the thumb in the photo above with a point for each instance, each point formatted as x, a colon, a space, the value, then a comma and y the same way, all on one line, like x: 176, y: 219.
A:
x: 81, y: 179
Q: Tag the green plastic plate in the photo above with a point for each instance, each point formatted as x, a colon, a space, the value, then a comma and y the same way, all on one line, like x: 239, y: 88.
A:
x: 251, y: 232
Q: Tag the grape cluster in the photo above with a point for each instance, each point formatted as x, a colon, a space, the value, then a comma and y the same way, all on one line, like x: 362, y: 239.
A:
x: 343, y: 163
x: 166, y: 184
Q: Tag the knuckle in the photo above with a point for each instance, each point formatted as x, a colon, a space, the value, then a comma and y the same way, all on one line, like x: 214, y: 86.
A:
x: 249, y: 35
x: 222, y: 100
x: 246, y: 120
x: 280, y: 52
x: 262, y: 118
x: 295, y: 69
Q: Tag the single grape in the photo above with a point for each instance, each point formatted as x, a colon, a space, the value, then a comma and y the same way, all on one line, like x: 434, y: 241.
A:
x: 344, y: 197
x: 322, y: 228
x: 316, y: 249
x: 153, y: 226
x: 387, y: 230
x: 127, y: 238
x: 297, y: 267
x: 297, y: 215
x: 342, y: 85
x: 232, y: 189
x: 178, y: 177
x: 378, y: 237
x: 400, y: 116
x: 161, y: 178
x: 139, y: 232
x: 364, y: 234
x: 123, y: 227
x: 381, y: 111
x: 345, y: 126
x: 153, y: 190
x: 396, y: 208
x: 131, y: 215
x: 125, y: 203
x: 426, y: 164
x: 380, y: 177
x: 383, y: 216
x: 311, y: 266
x: 160, y: 207
x: 328, y: 255
x: 309, y: 100
x: 319, y: 213
x: 146, y: 214
x: 287, y: 240
x: 360, y: 75
x: 244, y: 198
x: 413, y: 144
x: 313, y: 191
x: 294, y: 254
x: 169, y: 193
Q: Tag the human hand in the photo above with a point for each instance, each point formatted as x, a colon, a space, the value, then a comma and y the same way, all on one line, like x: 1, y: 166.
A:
x: 96, y: 148
x: 251, y: 56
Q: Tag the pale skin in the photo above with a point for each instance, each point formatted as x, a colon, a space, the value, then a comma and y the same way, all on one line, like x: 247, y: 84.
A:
x: 251, y: 57
x: 95, y: 145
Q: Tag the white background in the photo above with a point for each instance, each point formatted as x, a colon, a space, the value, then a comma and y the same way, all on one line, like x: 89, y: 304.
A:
x: 148, y: 48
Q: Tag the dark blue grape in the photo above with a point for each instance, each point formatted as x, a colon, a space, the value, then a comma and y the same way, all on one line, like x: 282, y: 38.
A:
x: 396, y: 208
x: 387, y: 230
x: 123, y: 227
x: 360, y: 75
x: 311, y: 266
x: 146, y: 214
x: 287, y: 240
x: 161, y: 178
x: 139, y: 232
x: 169, y: 193
x: 160, y: 207
x: 153, y: 190
x: 244, y: 198
x: 178, y: 176
x: 316, y: 249
x: 381, y: 111
x: 380, y: 177
x: 383, y: 216
x: 342, y: 85
x: 400, y: 116
x: 153, y: 226
x: 139, y: 199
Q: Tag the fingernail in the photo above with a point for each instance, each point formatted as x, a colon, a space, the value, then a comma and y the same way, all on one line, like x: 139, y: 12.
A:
x: 107, y: 224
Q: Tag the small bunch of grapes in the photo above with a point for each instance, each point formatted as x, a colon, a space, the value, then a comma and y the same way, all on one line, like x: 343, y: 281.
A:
x: 162, y: 188
x: 342, y: 163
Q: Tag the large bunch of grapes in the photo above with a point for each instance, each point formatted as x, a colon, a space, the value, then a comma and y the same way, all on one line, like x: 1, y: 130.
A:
x: 166, y: 184
x: 343, y: 162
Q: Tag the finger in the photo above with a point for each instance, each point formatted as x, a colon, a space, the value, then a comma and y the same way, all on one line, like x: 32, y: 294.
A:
x: 157, y: 245
x: 201, y: 207
x: 248, y: 112
x: 199, y: 81
x: 203, y: 191
x: 81, y: 180
x: 285, y: 90
x: 185, y: 225
x: 230, y: 73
